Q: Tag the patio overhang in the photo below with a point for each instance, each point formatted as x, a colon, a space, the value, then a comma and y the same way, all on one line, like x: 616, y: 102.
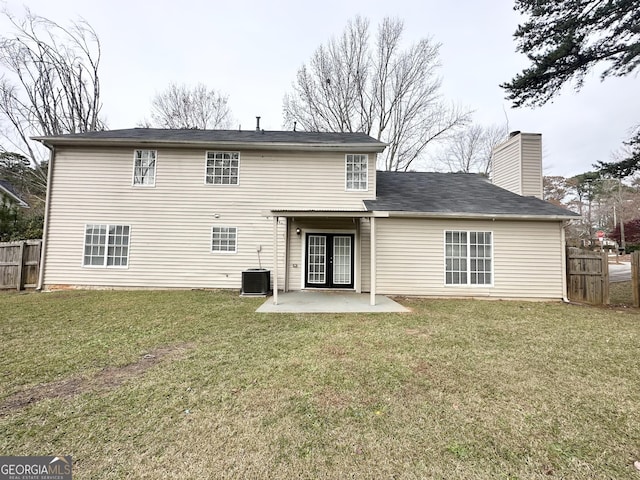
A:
x: 315, y: 213
x: 293, y: 214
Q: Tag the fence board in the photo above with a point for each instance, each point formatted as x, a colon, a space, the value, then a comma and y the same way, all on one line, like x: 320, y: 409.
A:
x: 635, y: 280
x: 587, y: 276
x: 20, y: 264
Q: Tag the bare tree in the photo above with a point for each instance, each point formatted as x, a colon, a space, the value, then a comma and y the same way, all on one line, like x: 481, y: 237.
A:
x: 50, y: 84
x: 182, y: 107
x: 470, y: 150
x: 390, y: 93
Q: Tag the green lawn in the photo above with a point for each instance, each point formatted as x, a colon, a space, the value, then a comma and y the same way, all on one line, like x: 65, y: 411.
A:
x: 620, y: 293
x: 455, y: 389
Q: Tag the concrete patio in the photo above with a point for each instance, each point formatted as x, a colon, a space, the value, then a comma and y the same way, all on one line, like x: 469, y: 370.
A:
x: 329, y: 302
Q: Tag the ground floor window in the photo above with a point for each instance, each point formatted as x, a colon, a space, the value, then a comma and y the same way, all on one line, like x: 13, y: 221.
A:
x: 106, y: 245
x: 468, y: 258
x: 224, y: 239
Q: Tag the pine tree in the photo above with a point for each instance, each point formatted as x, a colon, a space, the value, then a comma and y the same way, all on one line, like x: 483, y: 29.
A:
x: 565, y: 39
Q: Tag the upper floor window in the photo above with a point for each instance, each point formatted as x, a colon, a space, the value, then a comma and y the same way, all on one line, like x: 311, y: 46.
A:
x: 223, y: 168
x: 468, y: 258
x: 224, y: 239
x: 106, y: 246
x: 357, y: 166
x: 144, y: 168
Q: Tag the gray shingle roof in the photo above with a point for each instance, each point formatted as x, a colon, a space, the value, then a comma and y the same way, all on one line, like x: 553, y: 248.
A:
x: 454, y: 193
x: 213, y: 136
x: 8, y: 187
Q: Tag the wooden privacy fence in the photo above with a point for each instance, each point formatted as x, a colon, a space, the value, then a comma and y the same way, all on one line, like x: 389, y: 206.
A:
x: 635, y: 278
x: 587, y: 276
x: 20, y: 264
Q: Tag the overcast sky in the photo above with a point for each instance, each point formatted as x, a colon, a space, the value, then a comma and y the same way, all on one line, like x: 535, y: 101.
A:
x: 251, y: 50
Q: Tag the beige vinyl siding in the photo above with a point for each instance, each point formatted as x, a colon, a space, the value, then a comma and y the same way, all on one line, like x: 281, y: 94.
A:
x: 505, y: 165
x: 527, y: 258
x: 531, y: 145
x: 365, y: 255
x: 170, y: 240
x: 517, y: 165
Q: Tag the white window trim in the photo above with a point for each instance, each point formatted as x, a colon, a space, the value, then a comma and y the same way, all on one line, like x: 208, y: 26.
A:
x: 226, y: 185
x: 346, y: 157
x: 104, y: 265
x: 222, y: 252
x: 155, y: 170
x: 444, y: 261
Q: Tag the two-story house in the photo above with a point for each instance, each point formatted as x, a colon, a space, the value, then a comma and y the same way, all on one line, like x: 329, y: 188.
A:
x: 159, y: 208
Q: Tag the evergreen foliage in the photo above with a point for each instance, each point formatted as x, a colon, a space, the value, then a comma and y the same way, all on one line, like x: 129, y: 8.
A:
x: 565, y: 39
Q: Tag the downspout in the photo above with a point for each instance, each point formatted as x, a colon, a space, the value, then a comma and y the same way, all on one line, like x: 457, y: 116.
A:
x: 47, y: 212
x: 563, y: 246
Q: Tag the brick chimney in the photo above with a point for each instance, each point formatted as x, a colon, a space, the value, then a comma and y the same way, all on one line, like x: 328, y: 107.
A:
x: 516, y: 164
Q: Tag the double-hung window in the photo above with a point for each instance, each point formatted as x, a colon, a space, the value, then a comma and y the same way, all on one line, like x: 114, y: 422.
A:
x: 468, y: 258
x: 144, y: 168
x: 224, y: 239
x: 106, y: 245
x: 223, y: 168
x: 357, y: 174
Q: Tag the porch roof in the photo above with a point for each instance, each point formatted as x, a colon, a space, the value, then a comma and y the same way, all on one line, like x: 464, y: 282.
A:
x: 323, y: 213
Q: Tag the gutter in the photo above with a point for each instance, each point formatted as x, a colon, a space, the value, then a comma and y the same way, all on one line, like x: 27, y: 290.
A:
x: 47, y: 213
x: 397, y: 214
x: 323, y: 213
x: 481, y: 216
x: 270, y: 146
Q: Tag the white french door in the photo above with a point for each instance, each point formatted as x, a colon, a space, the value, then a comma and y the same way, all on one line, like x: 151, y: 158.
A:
x: 329, y: 260
x: 317, y: 259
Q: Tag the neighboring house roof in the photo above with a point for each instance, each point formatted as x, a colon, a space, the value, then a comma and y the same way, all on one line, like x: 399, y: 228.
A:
x: 455, y: 194
x: 230, y: 138
x: 8, y: 189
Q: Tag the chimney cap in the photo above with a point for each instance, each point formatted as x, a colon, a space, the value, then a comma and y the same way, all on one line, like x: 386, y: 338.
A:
x: 514, y: 133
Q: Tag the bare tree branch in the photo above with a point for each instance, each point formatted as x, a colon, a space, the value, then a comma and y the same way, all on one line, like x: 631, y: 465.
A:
x: 182, y: 107
x: 390, y: 93
x: 50, y: 84
x: 470, y: 150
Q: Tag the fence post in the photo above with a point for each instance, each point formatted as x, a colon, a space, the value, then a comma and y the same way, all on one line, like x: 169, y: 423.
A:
x: 605, y: 278
x: 635, y: 281
x: 20, y: 266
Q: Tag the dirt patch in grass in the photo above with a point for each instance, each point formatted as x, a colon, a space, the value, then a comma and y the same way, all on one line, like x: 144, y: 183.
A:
x: 106, y: 379
x: 418, y: 332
